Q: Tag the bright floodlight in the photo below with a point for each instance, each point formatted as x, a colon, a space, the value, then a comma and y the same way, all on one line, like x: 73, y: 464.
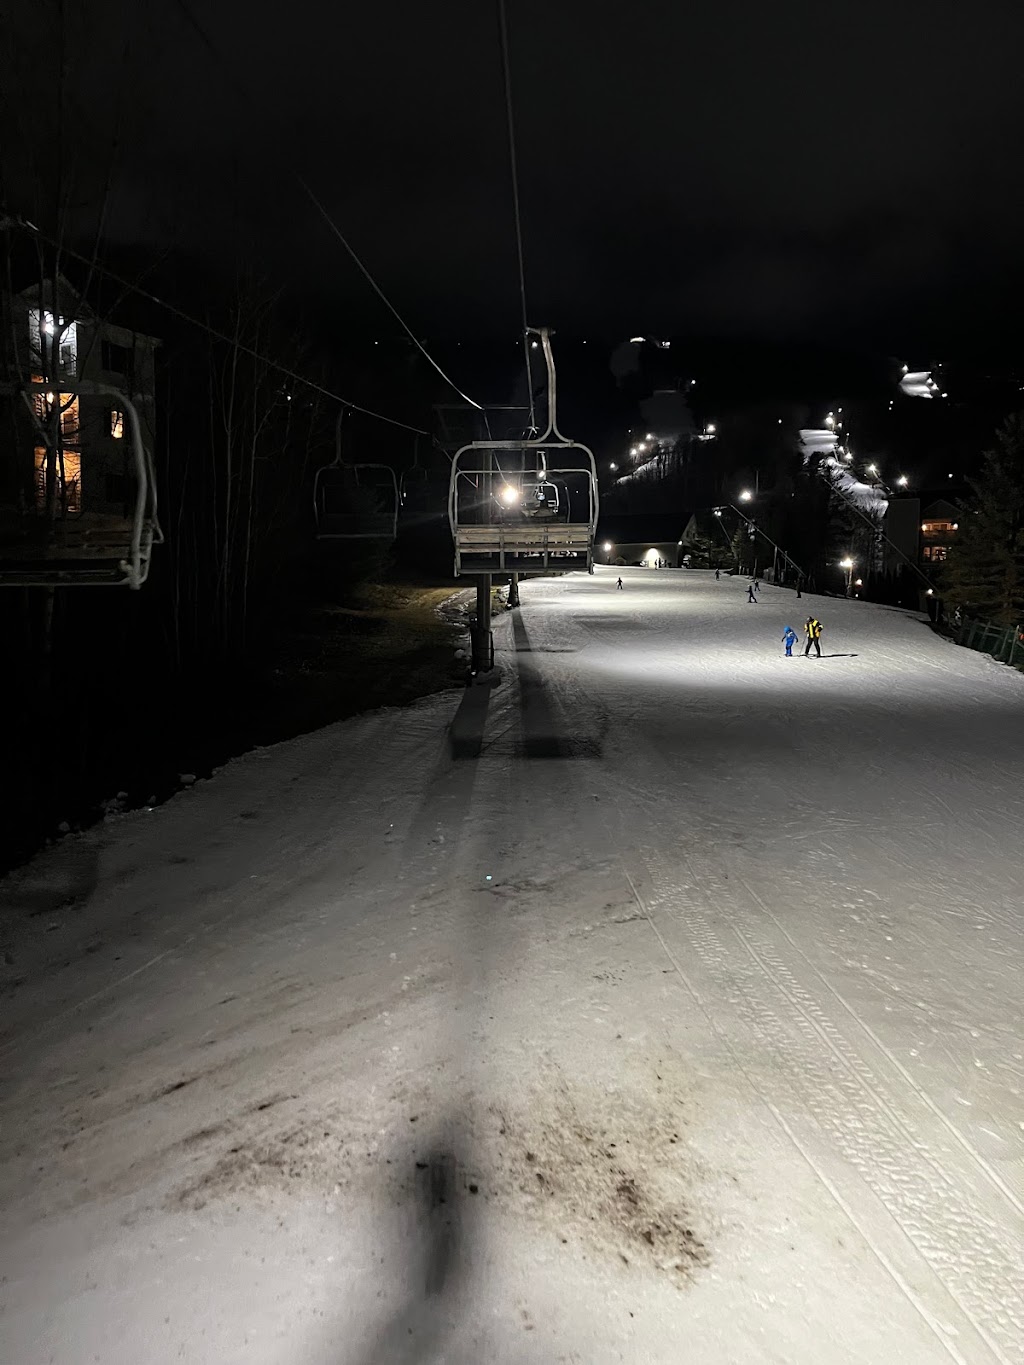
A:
x: 613, y: 465
x: 711, y: 428
x: 509, y: 495
x: 872, y: 469
x: 607, y: 547
x: 846, y: 563
x: 746, y: 495
x: 718, y: 511
x: 649, y: 436
x: 902, y: 480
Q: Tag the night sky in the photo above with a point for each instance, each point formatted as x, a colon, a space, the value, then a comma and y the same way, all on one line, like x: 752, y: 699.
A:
x: 797, y: 172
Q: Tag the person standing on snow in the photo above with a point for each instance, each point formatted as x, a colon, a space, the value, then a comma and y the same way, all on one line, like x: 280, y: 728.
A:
x: 718, y: 574
x: 751, y: 595
x: 789, y: 640
x: 812, y: 629
x: 619, y: 583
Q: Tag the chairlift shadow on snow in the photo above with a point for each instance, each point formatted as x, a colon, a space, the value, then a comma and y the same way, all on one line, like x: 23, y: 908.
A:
x: 545, y: 733
x: 436, y: 1262
x: 439, y: 1247
x: 466, y: 732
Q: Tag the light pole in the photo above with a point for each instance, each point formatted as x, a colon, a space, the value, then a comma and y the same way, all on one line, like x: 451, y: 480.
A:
x: 848, y: 565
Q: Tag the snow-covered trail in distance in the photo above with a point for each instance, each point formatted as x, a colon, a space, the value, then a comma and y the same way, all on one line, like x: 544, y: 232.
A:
x: 665, y: 1007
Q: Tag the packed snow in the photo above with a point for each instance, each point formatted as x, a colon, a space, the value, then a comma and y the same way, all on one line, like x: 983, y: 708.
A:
x: 659, y: 1003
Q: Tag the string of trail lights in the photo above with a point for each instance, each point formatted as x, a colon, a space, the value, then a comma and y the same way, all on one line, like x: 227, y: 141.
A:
x: 218, y: 56
x: 513, y: 165
x: 214, y: 332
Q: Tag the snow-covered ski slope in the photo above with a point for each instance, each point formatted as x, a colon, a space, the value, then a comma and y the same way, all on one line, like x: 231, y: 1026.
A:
x: 661, y: 1004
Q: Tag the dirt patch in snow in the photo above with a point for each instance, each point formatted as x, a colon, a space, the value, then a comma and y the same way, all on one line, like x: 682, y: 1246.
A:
x: 624, y: 1187
x: 620, y: 1184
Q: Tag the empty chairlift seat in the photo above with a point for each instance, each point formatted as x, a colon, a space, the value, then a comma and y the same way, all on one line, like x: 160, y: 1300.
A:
x: 356, y: 502
x: 68, y: 537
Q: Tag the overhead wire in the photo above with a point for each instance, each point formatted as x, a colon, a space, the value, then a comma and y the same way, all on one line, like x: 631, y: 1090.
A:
x: 510, y: 119
x: 246, y: 94
x: 178, y: 312
x: 381, y: 295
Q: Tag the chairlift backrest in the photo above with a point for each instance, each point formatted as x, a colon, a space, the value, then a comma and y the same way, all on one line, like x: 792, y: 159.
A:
x: 355, y: 502
x: 85, y: 548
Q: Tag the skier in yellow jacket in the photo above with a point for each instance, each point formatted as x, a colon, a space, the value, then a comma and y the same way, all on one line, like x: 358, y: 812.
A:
x: 812, y: 629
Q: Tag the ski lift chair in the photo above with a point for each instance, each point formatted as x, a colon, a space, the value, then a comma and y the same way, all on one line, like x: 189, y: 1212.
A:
x: 355, y: 502
x: 539, y: 516
x: 86, y: 548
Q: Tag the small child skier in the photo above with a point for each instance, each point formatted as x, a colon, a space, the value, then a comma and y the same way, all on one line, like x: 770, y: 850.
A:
x: 789, y: 640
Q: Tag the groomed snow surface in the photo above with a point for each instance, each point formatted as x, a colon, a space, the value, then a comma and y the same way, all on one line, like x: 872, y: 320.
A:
x: 661, y: 1004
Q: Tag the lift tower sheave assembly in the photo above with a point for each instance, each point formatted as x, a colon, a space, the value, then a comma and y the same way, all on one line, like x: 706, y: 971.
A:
x: 521, y: 507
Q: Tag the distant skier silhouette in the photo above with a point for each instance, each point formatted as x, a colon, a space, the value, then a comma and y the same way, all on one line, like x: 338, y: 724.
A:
x: 789, y: 640
x: 751, y: 595
x: 812, y: 629
x: 718, y: 574
x: 619, y: 583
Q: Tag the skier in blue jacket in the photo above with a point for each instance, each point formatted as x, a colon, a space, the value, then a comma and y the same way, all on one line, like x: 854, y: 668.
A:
x: 789, y: 640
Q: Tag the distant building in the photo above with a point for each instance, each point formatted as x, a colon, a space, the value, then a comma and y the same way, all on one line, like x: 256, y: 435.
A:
x: 939, y: 525
x: 95, y: 431
x: 642, y: 540
x: 640, y: 552
x: 919, y: 530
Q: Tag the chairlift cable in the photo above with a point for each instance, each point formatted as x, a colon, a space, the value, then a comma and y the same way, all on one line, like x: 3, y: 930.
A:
x: 246, y: 94
x: 506, y: 65
x: 211, y: 331
x: 380, y: 292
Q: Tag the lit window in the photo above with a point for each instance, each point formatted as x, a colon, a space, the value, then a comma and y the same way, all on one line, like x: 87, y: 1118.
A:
x: 41, y: 333
x: 68, y: 496
x: 116, y: 423
x: 44, y: 404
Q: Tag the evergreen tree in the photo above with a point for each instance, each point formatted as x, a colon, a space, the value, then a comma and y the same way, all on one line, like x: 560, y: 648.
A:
x: 744, y: 548
x: 984, y: 573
